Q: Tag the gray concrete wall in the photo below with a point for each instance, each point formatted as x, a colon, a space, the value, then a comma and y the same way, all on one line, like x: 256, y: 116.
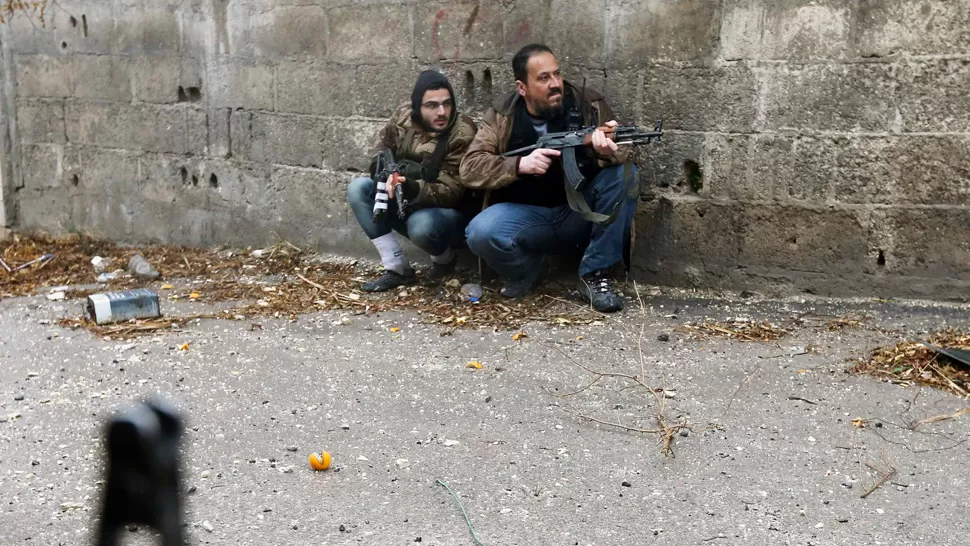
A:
x: 812, y: 145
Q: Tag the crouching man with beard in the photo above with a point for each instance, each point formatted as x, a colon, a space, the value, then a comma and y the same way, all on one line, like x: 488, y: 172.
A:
x: 532, y: 216
x: 428, y: 138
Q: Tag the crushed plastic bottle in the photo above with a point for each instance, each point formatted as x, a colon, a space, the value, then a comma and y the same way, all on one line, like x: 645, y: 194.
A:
x: 472, y: 291
x: 140, y: 267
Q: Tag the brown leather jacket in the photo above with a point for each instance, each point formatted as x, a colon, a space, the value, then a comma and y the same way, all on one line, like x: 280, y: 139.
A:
x: 447, y: 190
x: 484, y: 168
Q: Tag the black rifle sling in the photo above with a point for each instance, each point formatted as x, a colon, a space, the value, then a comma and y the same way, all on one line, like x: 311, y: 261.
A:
x: 438, y: 156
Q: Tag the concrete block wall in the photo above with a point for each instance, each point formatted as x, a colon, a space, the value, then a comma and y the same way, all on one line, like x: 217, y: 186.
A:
x: 813, y: 145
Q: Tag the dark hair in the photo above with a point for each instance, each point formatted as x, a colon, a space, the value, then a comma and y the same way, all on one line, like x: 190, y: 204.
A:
x: 436, y: 86
x: 521, y: 60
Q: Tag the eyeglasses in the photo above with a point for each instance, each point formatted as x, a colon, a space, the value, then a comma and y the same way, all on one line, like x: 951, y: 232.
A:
x: 432, y: 105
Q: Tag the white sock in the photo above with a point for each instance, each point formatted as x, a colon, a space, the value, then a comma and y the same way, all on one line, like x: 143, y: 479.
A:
x: 445, y: 257
x: 392, y: 255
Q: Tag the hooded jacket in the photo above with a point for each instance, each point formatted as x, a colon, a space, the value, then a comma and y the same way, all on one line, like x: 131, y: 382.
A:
x: 484, y: 168
x: 407, y: 139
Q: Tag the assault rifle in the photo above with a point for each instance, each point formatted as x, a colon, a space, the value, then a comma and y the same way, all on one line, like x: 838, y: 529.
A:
x: 385, y: 167
x: 568, y: 141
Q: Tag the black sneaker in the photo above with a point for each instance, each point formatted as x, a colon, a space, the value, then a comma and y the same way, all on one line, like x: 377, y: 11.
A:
x: 597, y: 288
x: 387, y: 281
x: 440, y: 272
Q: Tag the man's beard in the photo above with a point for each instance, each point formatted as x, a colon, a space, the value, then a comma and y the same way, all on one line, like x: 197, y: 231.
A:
x: 429, y: 127
x: 550, y: 110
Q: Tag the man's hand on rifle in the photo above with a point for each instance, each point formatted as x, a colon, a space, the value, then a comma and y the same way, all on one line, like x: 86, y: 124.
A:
x: 538, y: 162
x: 603, y: 145
x: 394, y: 182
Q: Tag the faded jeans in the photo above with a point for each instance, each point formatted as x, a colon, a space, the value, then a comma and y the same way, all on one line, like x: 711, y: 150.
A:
x: 512, y: 237
x: 433, y: 230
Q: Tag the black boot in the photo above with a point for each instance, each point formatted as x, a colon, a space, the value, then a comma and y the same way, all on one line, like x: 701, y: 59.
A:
x: 597, y: 288
x: 440, y: 272
x: 387, y: 281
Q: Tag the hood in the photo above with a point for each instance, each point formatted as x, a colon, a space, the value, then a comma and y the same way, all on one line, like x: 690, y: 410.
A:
x: 425, y: 80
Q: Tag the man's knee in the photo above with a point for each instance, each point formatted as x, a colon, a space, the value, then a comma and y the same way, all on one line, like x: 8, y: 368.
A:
x: 360, y: 189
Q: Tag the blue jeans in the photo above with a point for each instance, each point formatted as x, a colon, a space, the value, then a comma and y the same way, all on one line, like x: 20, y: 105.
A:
x: 512, y: 237
x: 433, y: 230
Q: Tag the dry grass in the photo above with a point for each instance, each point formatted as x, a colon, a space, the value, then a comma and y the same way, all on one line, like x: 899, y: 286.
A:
x: 741, y: 330
x: 913, y: 363
x: 285, y: 282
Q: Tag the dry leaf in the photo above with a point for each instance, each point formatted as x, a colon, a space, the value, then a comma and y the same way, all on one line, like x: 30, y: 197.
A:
x: 579, y: 338
x: 184, y: 347
x: 395, y: 329
x: 167, y: 286
x: 461, y: 320
x: 194, y: 296
x: 474, y: 364
x: 859, y: 423
x: 518, y: 336
x: 801, y: 371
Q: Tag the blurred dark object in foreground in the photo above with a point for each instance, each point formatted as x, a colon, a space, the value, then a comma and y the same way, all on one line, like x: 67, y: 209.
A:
x: 142, y: 485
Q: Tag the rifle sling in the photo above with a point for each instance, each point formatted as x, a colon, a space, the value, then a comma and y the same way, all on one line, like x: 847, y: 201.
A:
x: 578, y: 203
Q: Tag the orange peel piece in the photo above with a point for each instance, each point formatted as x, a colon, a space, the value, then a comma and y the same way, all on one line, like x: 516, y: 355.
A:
x: 320, y: 461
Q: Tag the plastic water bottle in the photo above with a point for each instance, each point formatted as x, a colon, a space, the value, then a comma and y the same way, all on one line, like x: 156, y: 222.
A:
x: 472, y: 291
x: 122, y: 306
x: 140, y: 267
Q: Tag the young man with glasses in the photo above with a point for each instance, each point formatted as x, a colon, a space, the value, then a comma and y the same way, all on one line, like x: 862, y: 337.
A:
x: 428, y: 138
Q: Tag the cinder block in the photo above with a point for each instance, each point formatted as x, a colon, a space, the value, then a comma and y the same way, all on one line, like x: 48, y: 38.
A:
x: 623, y: 90
x: 101, y: 77
x: 288, y: 139
x: 86, y: 27
x: 198, y: 226
x: 157, y: 79
x: 28, y: 37
x: 46, y: 210
x: 476, y: 85
x: 854, y: 170
x: 236, y: 185
x: 317, y: 88
x: 785, y: 29
x: 204, y: 32
x: 307, y: 202
x: 197, y: 131
x: 932, y: 243
x: 374, y: 97
x: 660, y: 30
x: 585, y: 42
x: 827, y: 97
x: 674, y: 233
x: 829, y: 241
x: 771, y: 172
x: 240, y: 133
x: 929, y: 170
x: 42, y: 76
x: 142, y: 29
x: 526, y: 23
x: 241, y: 84
x: 346, y: 145
x: 933, y: 96
x: 725, y: 168
x: 289, y: 31
x: 219, y: 139
x: 662, y: 164
x: 177, y: 182
x: 701, y: 99
x: 369, y: 33
x: 931, y: 27
x: 41, y: 166
x: 41, y: 121
x: 109, y: 173
x: 143, y: 127
x: 458, y: 31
